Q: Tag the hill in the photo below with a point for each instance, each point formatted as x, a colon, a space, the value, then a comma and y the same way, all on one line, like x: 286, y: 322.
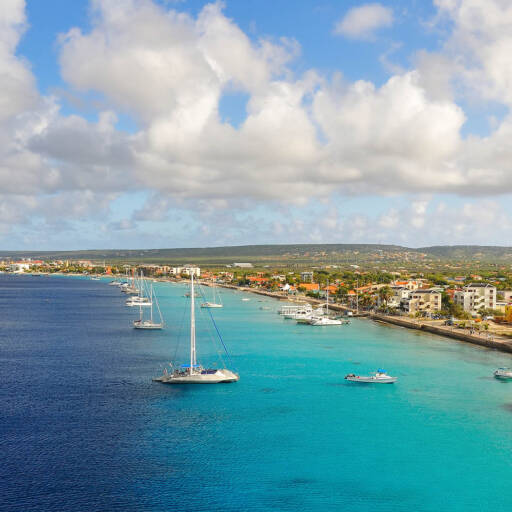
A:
x: 275, y: 254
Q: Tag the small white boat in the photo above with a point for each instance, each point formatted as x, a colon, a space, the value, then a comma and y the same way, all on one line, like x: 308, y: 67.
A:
x: 245, y: 299
x: 503, y: 373
x: 211, y: 305
x: 324, y: 320
x: 147, y: 324
x: 378, y: 377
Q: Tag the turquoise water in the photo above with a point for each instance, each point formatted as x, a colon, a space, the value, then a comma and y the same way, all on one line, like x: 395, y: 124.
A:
x: 290, y: 435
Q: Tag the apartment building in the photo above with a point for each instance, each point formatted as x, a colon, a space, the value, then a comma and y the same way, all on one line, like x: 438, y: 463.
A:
x: 425, y: 301
x: 476, y: 296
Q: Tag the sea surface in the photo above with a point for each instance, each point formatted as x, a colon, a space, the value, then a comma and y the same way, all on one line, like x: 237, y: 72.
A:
x: 83, y: 427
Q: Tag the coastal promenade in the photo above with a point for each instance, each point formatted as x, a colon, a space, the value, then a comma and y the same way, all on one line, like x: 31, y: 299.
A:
x: 484, y: 340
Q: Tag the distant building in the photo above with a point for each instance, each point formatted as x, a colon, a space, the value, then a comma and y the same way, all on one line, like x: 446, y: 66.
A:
x: 476, y: 296
x: 187, y: 271
x: 306, y: 277
x: 243, y: 265
x: 19, y: 267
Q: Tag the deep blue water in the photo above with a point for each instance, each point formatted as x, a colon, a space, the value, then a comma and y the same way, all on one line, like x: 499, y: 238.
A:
x: 83, y: 427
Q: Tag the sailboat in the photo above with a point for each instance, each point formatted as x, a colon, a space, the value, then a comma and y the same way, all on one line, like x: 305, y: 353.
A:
x: 216, y: 303
x: 139, y: 299
x: 149, y: 324
x: 194, y: 373
x: 324, y: 319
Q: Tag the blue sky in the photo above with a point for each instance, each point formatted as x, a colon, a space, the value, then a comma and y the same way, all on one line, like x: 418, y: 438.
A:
x: 254, y: 121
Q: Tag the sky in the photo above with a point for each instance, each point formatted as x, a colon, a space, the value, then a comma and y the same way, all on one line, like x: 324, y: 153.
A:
x: 187, y: 123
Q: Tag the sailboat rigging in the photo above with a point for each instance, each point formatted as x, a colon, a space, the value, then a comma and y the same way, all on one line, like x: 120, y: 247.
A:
x: 194, y: 373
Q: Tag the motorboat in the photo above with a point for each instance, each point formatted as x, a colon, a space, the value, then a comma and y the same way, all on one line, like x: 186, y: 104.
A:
x: 378, y: 377
x: 503, y: 373
x: 194, y: 373
x: 245, y: 299
x: 211, y: 305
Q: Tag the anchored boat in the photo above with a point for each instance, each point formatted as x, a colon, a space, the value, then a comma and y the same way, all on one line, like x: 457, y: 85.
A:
x: 503, y: 373
x: 149, y: 324
x: 378, y: 377
x: 194, y: 373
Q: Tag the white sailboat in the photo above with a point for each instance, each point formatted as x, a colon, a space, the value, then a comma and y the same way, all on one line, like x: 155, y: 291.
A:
x: 194, y: 373
x: 149, y: 324
x: 324, y: 319
x: 140, y: 299
x: 216, y: 302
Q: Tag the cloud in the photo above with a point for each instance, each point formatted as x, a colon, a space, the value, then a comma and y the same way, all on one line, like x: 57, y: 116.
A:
x: 364, y: 21
x: 305, y: 137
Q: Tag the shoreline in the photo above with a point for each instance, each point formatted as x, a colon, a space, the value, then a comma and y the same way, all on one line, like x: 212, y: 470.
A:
x: 488, y: 341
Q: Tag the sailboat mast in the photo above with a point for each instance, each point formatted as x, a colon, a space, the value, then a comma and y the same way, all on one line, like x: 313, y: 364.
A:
x: 151, y: 300
x: 327, y: 300
x: 192, y: 326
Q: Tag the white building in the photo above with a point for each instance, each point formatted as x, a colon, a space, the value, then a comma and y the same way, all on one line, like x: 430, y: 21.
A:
x: 425, y: 301
x: 398, y: 293
x: 476, y: 296
x: 187, y: 271
x: 243, y: 265
x: 19, y: 267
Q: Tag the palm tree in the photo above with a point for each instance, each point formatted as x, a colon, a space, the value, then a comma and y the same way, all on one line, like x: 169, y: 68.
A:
x: 385, y: 293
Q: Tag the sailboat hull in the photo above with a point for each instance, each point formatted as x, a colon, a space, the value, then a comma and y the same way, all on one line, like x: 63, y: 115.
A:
x: 211, y: 305
x: 205, y: 377
x: 147, y: 325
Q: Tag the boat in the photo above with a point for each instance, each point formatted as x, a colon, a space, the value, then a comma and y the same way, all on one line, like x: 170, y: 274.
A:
x: 140, y: 299
x: 378, y: 377
x: 149, y: 324
x: 245, y: 299
x: 503, y: 373
x: 95, y: 279
x: 324, y: 319
x: 194, y: 373
x: 215, y: 303
x: 306, y: 310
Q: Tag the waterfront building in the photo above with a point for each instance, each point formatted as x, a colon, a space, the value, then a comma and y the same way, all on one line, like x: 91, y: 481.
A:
x: 19, y: 266
x: 398, y: 293
x: 424, y: 301
x: 476, y: 296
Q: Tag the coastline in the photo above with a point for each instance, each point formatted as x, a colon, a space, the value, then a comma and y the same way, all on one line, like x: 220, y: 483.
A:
x: 488, y: 341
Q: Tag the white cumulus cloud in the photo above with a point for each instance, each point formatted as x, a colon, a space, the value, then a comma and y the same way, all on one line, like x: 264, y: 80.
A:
x: 363, y: 22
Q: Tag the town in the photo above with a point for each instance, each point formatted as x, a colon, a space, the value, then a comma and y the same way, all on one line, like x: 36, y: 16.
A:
x: 475, y: 302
